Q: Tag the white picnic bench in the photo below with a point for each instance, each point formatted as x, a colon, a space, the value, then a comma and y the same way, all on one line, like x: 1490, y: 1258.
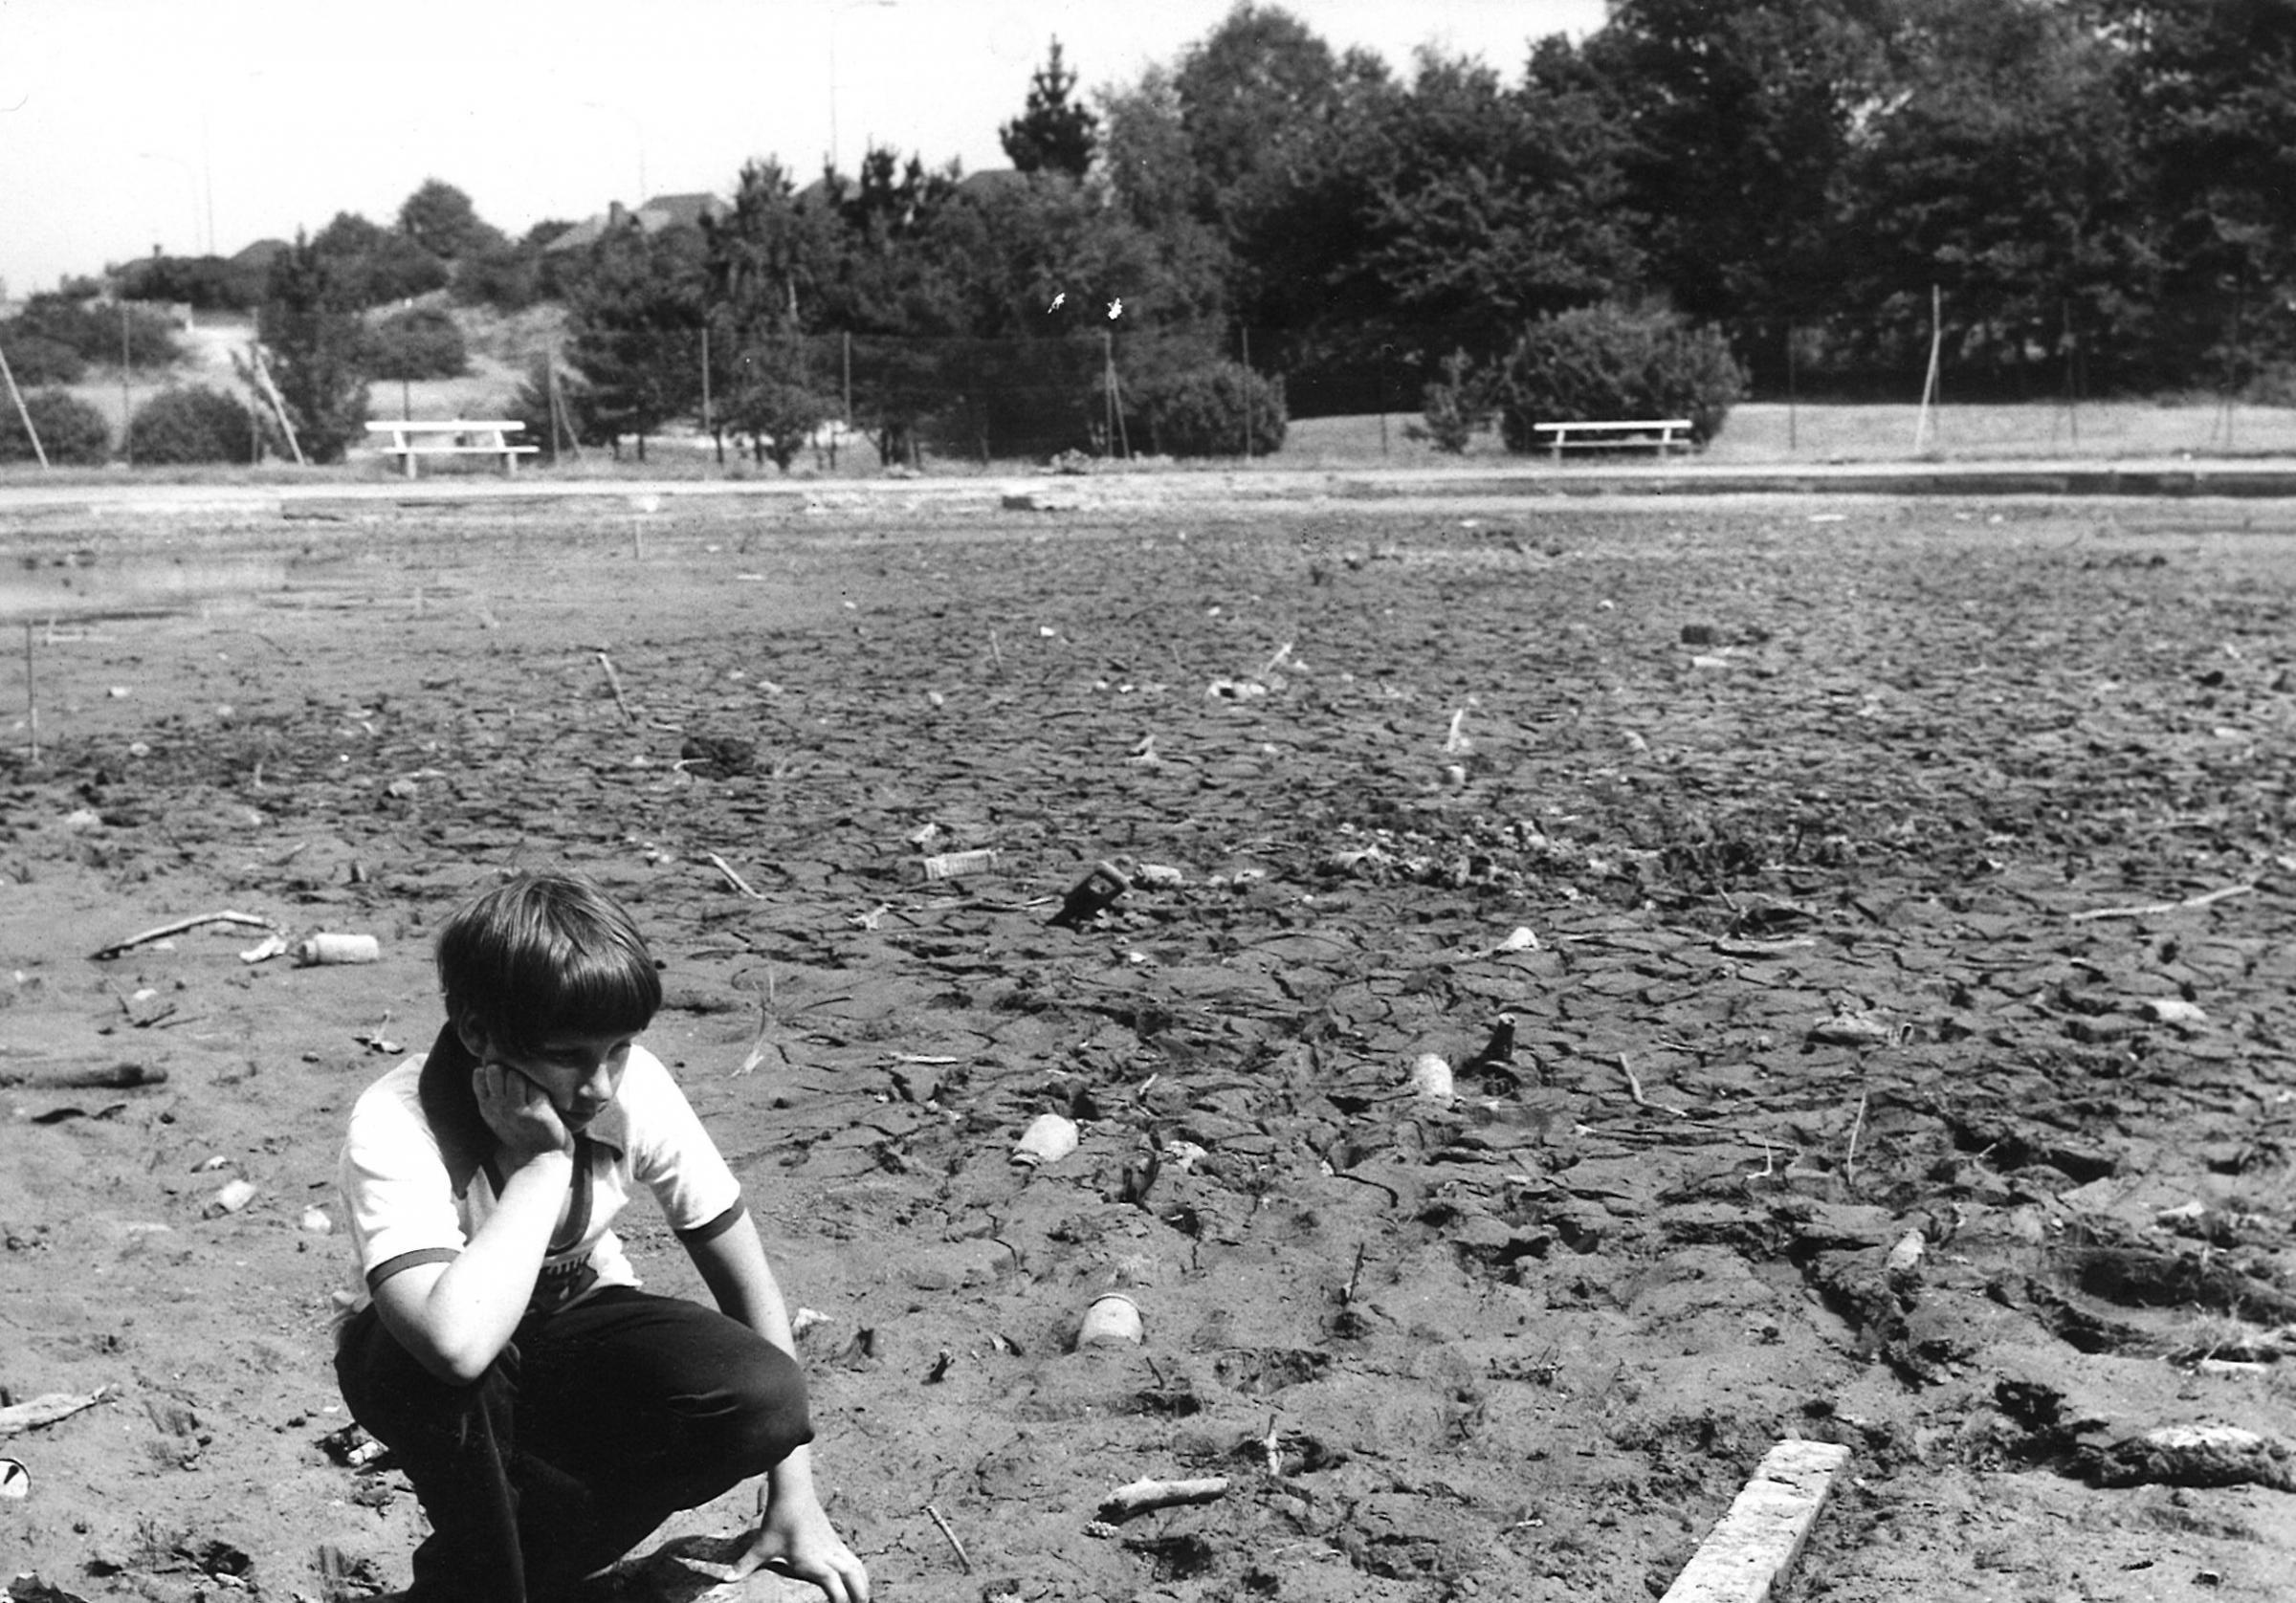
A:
x: 1660, y: 434
x: 411, y: 437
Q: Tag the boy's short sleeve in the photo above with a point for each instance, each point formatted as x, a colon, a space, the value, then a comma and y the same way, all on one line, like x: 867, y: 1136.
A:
x: 395, y: 1185
x: 670, y: 1151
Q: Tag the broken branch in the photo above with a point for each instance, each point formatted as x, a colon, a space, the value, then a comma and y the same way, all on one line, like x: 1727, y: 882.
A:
x: 2204, y: 899
x: 227, y: 916
x: 613, y: 682
x: 1142, y: 1496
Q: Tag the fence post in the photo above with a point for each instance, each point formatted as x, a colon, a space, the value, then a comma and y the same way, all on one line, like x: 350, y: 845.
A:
x: 1245, y: 333
x: 23, y: 411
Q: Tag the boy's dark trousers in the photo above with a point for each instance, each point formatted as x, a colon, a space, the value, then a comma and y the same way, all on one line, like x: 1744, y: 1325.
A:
x: 596, y: 1423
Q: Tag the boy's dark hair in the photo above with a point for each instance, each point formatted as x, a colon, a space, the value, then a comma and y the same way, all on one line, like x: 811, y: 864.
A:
x: 546, y: 953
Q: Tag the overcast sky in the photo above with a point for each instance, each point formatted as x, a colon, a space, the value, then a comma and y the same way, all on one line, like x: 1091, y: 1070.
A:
x: 192, y: 124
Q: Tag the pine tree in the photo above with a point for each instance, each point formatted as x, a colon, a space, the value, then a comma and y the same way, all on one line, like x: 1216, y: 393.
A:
x: 315, y: 345
x: 1052, y: 135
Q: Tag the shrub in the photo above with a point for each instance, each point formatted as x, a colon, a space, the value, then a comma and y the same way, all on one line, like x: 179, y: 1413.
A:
x: 34, y: 358
x: 95, y: 329
x: 72, y: 432
x: 1611, y: 362
x: 194, y: 425
x: 315, y: 347
x: 1205, y: 411
x: 418, y: 343
x: 1455, y: 407
x: 531, y: 407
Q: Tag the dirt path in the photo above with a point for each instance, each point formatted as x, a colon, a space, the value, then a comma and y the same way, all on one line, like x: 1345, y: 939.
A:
x: 1848, y: 1094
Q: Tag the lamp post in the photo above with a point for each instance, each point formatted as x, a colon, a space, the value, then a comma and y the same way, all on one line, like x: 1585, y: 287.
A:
x: 836, y: 11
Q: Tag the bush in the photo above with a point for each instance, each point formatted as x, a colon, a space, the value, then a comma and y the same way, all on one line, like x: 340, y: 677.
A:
x: 194, y: 425
x: 531, y: 407
x: 34, y: 358
x: 1204, y: 412
x: 419, y: 342
x: 72, y: 432
x: 1455, y: 407
x: 94, y: 329
x: 1610, y: 362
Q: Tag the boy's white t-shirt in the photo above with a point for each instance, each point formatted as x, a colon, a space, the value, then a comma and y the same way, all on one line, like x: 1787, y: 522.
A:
x: 404, y: 1209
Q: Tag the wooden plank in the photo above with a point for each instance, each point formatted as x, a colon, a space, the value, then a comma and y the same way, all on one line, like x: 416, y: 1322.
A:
x: 1752, y: 1547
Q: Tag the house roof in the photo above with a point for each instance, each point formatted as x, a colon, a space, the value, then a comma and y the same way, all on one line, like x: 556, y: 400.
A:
x: 662, y: 211
x: 260, y: 253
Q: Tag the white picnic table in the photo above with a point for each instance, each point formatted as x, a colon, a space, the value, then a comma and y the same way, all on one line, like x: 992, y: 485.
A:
x: 1661, y: 434
x: 409, y: 438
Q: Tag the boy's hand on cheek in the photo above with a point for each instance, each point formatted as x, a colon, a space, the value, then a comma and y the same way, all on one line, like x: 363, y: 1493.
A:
x: 519, y: 1112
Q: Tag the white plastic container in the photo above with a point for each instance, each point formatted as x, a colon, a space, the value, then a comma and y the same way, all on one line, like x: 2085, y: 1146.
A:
x: 232, y: 1198
x: 1049, y: 1138
x: 1114, y: 1320
x: 1431, y: 1076
x: 338, y: 949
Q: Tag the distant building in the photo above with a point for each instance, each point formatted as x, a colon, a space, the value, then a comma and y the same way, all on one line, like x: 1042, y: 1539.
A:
x: 663, y: 211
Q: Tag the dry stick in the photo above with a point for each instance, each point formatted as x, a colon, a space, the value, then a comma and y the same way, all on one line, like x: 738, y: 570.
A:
x: 227, y: 916
x: 31, y: 702
x: 2200, y: 901
x: 1634, y: 1088
x: 963, y: 1560
x: 613, y: 682
x: 1849, y: 1161
x: 739, y: 883
x: 1142, y: 1496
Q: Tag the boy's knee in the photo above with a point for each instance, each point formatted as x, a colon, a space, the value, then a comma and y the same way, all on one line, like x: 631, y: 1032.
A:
x: 768, y: 1416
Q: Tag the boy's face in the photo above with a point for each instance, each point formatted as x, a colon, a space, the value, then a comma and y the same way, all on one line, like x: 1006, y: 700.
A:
x: 579, y: 1073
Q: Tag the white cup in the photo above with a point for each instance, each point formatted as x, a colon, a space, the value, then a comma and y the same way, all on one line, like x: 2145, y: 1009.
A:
x: 1114, y: 1320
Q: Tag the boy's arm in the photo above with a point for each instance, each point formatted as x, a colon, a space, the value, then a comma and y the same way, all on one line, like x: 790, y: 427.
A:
x: 455, y: 1317
x: 794, y: 1535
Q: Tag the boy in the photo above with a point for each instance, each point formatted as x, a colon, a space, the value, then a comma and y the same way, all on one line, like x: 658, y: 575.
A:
x: 548, y: 1411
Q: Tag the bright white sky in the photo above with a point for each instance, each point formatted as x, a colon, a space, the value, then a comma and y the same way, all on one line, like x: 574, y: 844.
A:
x: 198, y: 124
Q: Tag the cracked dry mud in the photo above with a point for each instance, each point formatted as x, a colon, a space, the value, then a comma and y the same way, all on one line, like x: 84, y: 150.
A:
x: 1899, y: 1053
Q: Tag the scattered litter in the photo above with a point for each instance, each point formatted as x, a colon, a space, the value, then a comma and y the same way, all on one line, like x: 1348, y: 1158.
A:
x: 273, y: 945
x: 1114, y: 1320
x: 49, y: 1407
x: 1431, y: 1076
x: 15, y: 1480
x: 234, y: 1197
x: 1049, y: 1138
x: 317, y: 1223
x: 2172, y: 1010
x: 1234, y: 689
x: 1856, y: 1029
x: 955, y: 865
x: 1091, y: 895
x: 331, y: 948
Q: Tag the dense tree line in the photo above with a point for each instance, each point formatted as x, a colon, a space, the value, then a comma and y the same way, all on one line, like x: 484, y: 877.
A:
x: 2095, y: 193
x: 2098, y: 194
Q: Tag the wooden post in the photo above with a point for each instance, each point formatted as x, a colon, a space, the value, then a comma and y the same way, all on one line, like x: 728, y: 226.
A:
x: 1928, y: 385
x: 31, y: 702
x: 127, y: 449
x: 1792, y: 401
x: 1245, y: 333
x: 22, y: 411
